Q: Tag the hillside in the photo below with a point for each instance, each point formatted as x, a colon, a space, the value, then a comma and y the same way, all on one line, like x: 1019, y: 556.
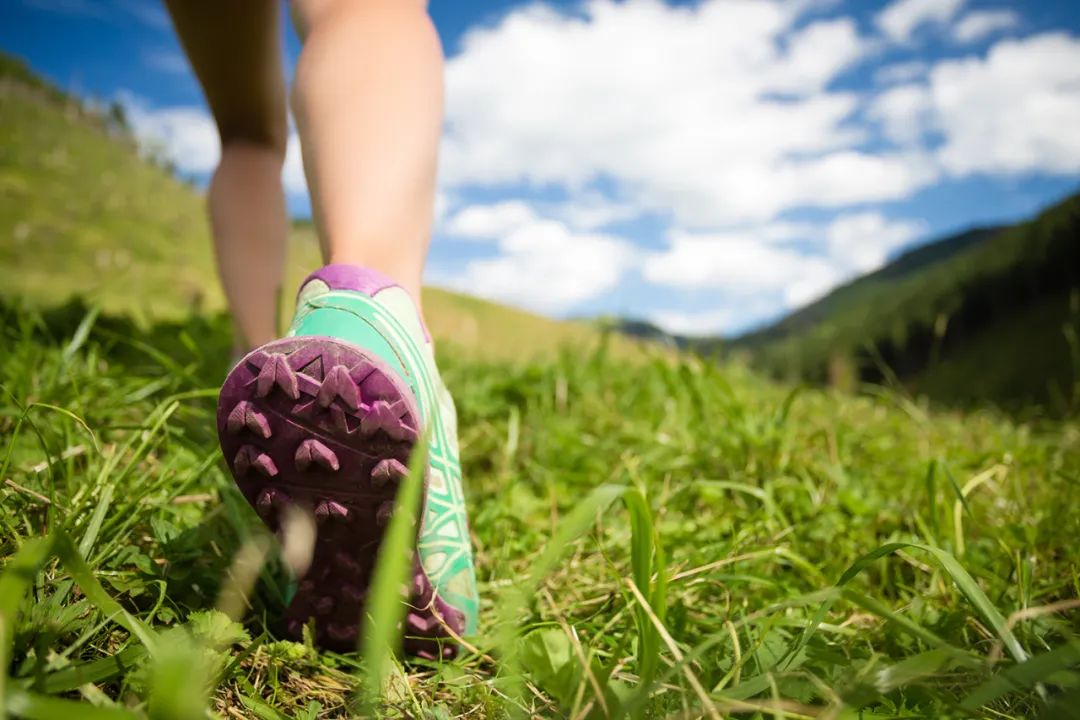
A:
x: 84, y: 216
x: 985, y: 315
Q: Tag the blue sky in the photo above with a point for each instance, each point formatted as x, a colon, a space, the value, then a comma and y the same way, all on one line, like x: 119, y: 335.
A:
x: 708, y: 166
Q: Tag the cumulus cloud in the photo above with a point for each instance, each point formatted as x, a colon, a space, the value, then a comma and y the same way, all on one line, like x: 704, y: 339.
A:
x: 292, y: 173
x: 494, y: 220
x: 543, y: 265
x: 186, y: 135
x: 719, y: 112
x: 979, y: 24
x: 902, y: 18
x: 589, y: 211
x: 1004, y: 113
x: 1010, y: 111
x: 792, y: 263
x: 489, y: 222
x: 862, y: 242
x: 739, y: 264
x: 700, y: 323
x: 904, y: 112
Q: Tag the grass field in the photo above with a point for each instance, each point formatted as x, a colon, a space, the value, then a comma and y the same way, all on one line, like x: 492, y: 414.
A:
x: 656, y: 538
x: 822, y: 555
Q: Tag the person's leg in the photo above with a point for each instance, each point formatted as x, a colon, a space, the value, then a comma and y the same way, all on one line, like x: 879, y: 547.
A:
x: 367, y: 99
x: 235, y: 49
x: 327, y: 417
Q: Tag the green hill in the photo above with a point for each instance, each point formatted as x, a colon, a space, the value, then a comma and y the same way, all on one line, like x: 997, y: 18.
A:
x: 987, y: 315
x: 84, y: 216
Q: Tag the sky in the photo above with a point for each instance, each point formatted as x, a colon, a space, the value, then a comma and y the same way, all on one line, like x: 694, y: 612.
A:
x: 707, y: 166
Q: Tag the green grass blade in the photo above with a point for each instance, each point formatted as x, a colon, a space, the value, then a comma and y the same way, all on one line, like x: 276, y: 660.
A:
x: 912, y: 628
x: 15, y: 581
x: 92, y: 530
x: 68, y: 414
x: 81, y: 334
x: 953, y: 568
x: 94, y: 671
x: 916, y: 667
x: 84, y: 577
x: 1026, y: 675
x: 32, y: 706
x: 385, y: 607
x: 646, y: 560
x: 514, y: 599
x: 261, y: 710
x: 571, y: 527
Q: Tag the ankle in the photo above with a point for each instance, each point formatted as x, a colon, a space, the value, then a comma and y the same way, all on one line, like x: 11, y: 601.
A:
x: 371, y: 277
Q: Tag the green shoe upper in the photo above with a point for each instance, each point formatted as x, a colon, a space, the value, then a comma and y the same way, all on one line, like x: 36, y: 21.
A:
x: 368, y: 310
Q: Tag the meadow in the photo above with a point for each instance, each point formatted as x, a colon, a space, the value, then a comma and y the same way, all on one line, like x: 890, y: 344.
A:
x: 810, y: 554
x: 657, y: 535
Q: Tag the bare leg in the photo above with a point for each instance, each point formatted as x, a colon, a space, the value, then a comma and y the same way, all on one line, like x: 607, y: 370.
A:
x: 368, y: 105
x: 235, y: 48
x: 308, y: 419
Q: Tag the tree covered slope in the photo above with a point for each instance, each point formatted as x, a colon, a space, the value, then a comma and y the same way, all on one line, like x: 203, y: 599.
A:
x: 986, y: 315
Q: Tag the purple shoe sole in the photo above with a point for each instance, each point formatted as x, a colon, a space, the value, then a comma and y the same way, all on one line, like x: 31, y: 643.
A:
x: 318, y: 423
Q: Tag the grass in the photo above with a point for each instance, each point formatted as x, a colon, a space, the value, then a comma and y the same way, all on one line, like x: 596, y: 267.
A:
x: 775, y: 553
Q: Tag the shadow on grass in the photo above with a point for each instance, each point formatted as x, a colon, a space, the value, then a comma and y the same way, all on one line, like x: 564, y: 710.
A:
x: 197, y: 350
x: 185, y: 545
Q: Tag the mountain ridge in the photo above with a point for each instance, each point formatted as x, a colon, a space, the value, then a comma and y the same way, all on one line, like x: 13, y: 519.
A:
x: 906, y: 321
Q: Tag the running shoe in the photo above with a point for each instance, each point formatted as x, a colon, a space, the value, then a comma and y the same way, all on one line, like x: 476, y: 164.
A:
x: 325, y: 419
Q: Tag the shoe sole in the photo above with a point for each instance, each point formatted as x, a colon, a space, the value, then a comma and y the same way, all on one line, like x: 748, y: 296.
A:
x: 319, y: 423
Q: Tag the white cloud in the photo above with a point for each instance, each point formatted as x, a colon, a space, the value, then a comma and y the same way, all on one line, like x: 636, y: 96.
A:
x: 1013, y: 111
x: 739, y: 264
x: 585, y: 212
x: 292, y: 173
x: 862, y: 242
x: 904, y: 112
x: 443, y: 202
x: 188, y: 137
x: 979, y: 24
x: 545, y: 266
x: 490, y: 222
x: 762, y: 262
x: 698, y: 323
x: 902, y: 18
x: 589, y: 211
x: 1003, y: 114
x: 718, y: 112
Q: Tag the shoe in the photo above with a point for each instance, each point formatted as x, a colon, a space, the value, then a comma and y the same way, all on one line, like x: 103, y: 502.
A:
x: 325, y: 418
